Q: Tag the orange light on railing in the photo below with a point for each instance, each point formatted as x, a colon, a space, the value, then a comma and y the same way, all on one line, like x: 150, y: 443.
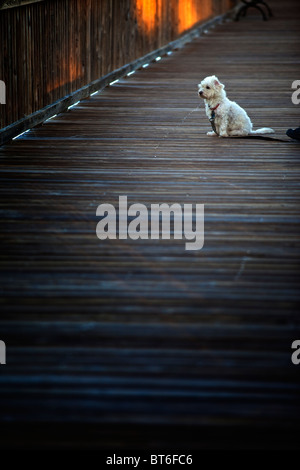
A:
x: 69, y: 73
x: 150, y: 13
x: 187, y: 15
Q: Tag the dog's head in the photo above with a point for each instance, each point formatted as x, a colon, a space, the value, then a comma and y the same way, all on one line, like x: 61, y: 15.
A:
x: 210, y: 88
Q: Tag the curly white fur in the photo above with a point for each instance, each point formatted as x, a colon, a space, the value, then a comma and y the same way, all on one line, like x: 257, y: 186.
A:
x: 230, y: 119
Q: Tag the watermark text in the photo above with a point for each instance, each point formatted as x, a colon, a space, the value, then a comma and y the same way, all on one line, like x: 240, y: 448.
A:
x: 296, y: 354
x: 296, y: 93
x: 136, y: 222
x: 2, y: 92
x: 2, y: 352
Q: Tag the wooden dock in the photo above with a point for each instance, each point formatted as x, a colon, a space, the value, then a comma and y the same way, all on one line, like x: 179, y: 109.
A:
x: 123, y: 344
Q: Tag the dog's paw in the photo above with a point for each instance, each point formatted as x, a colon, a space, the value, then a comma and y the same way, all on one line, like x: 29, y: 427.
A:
x: 211, y: 133
x: 224, y: 134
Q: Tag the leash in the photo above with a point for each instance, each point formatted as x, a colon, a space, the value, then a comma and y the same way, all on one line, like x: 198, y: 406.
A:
x: 213, y: 117
x: 258, y: 137
x: 262, y: 137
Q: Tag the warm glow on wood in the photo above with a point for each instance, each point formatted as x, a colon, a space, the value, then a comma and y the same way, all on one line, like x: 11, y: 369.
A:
x: 69, y: 72
x: 148, y: 11
x: 187, y: 15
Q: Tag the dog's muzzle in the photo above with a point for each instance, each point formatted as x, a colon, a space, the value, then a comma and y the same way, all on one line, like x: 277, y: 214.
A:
x: 200, y: 93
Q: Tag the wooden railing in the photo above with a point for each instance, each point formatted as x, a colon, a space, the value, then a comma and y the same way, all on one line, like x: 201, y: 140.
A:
x: 51, y: 48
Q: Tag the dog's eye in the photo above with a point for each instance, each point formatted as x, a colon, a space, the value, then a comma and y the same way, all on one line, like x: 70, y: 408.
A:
x: 208, y: 87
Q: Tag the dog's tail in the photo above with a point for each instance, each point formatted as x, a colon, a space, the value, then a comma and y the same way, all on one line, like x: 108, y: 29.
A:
x: 263, y: 130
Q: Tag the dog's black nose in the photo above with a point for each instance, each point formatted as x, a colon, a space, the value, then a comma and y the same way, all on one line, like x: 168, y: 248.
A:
x: 200, y: 93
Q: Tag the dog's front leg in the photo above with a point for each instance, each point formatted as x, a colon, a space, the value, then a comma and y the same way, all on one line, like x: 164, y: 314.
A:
x: 211, y: 133
x: 223, y: 128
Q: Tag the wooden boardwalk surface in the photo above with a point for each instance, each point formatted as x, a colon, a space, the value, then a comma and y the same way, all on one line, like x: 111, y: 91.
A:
x: 110, y: 341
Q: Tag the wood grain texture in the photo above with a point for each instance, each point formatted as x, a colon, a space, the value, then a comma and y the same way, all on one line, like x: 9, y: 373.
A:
x: 117, y: 344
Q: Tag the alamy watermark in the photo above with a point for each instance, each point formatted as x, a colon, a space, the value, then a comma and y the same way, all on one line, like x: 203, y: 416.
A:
x: 296, y: 354
x: 2, y: 92
x: 160, y: 216
x: 296, y: 93
x: 2, y: 352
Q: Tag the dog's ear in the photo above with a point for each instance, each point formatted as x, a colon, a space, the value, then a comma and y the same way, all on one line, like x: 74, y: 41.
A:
x: 218, y: 83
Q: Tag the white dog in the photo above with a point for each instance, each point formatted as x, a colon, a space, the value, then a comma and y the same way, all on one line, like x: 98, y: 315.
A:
x: 227, y: 117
